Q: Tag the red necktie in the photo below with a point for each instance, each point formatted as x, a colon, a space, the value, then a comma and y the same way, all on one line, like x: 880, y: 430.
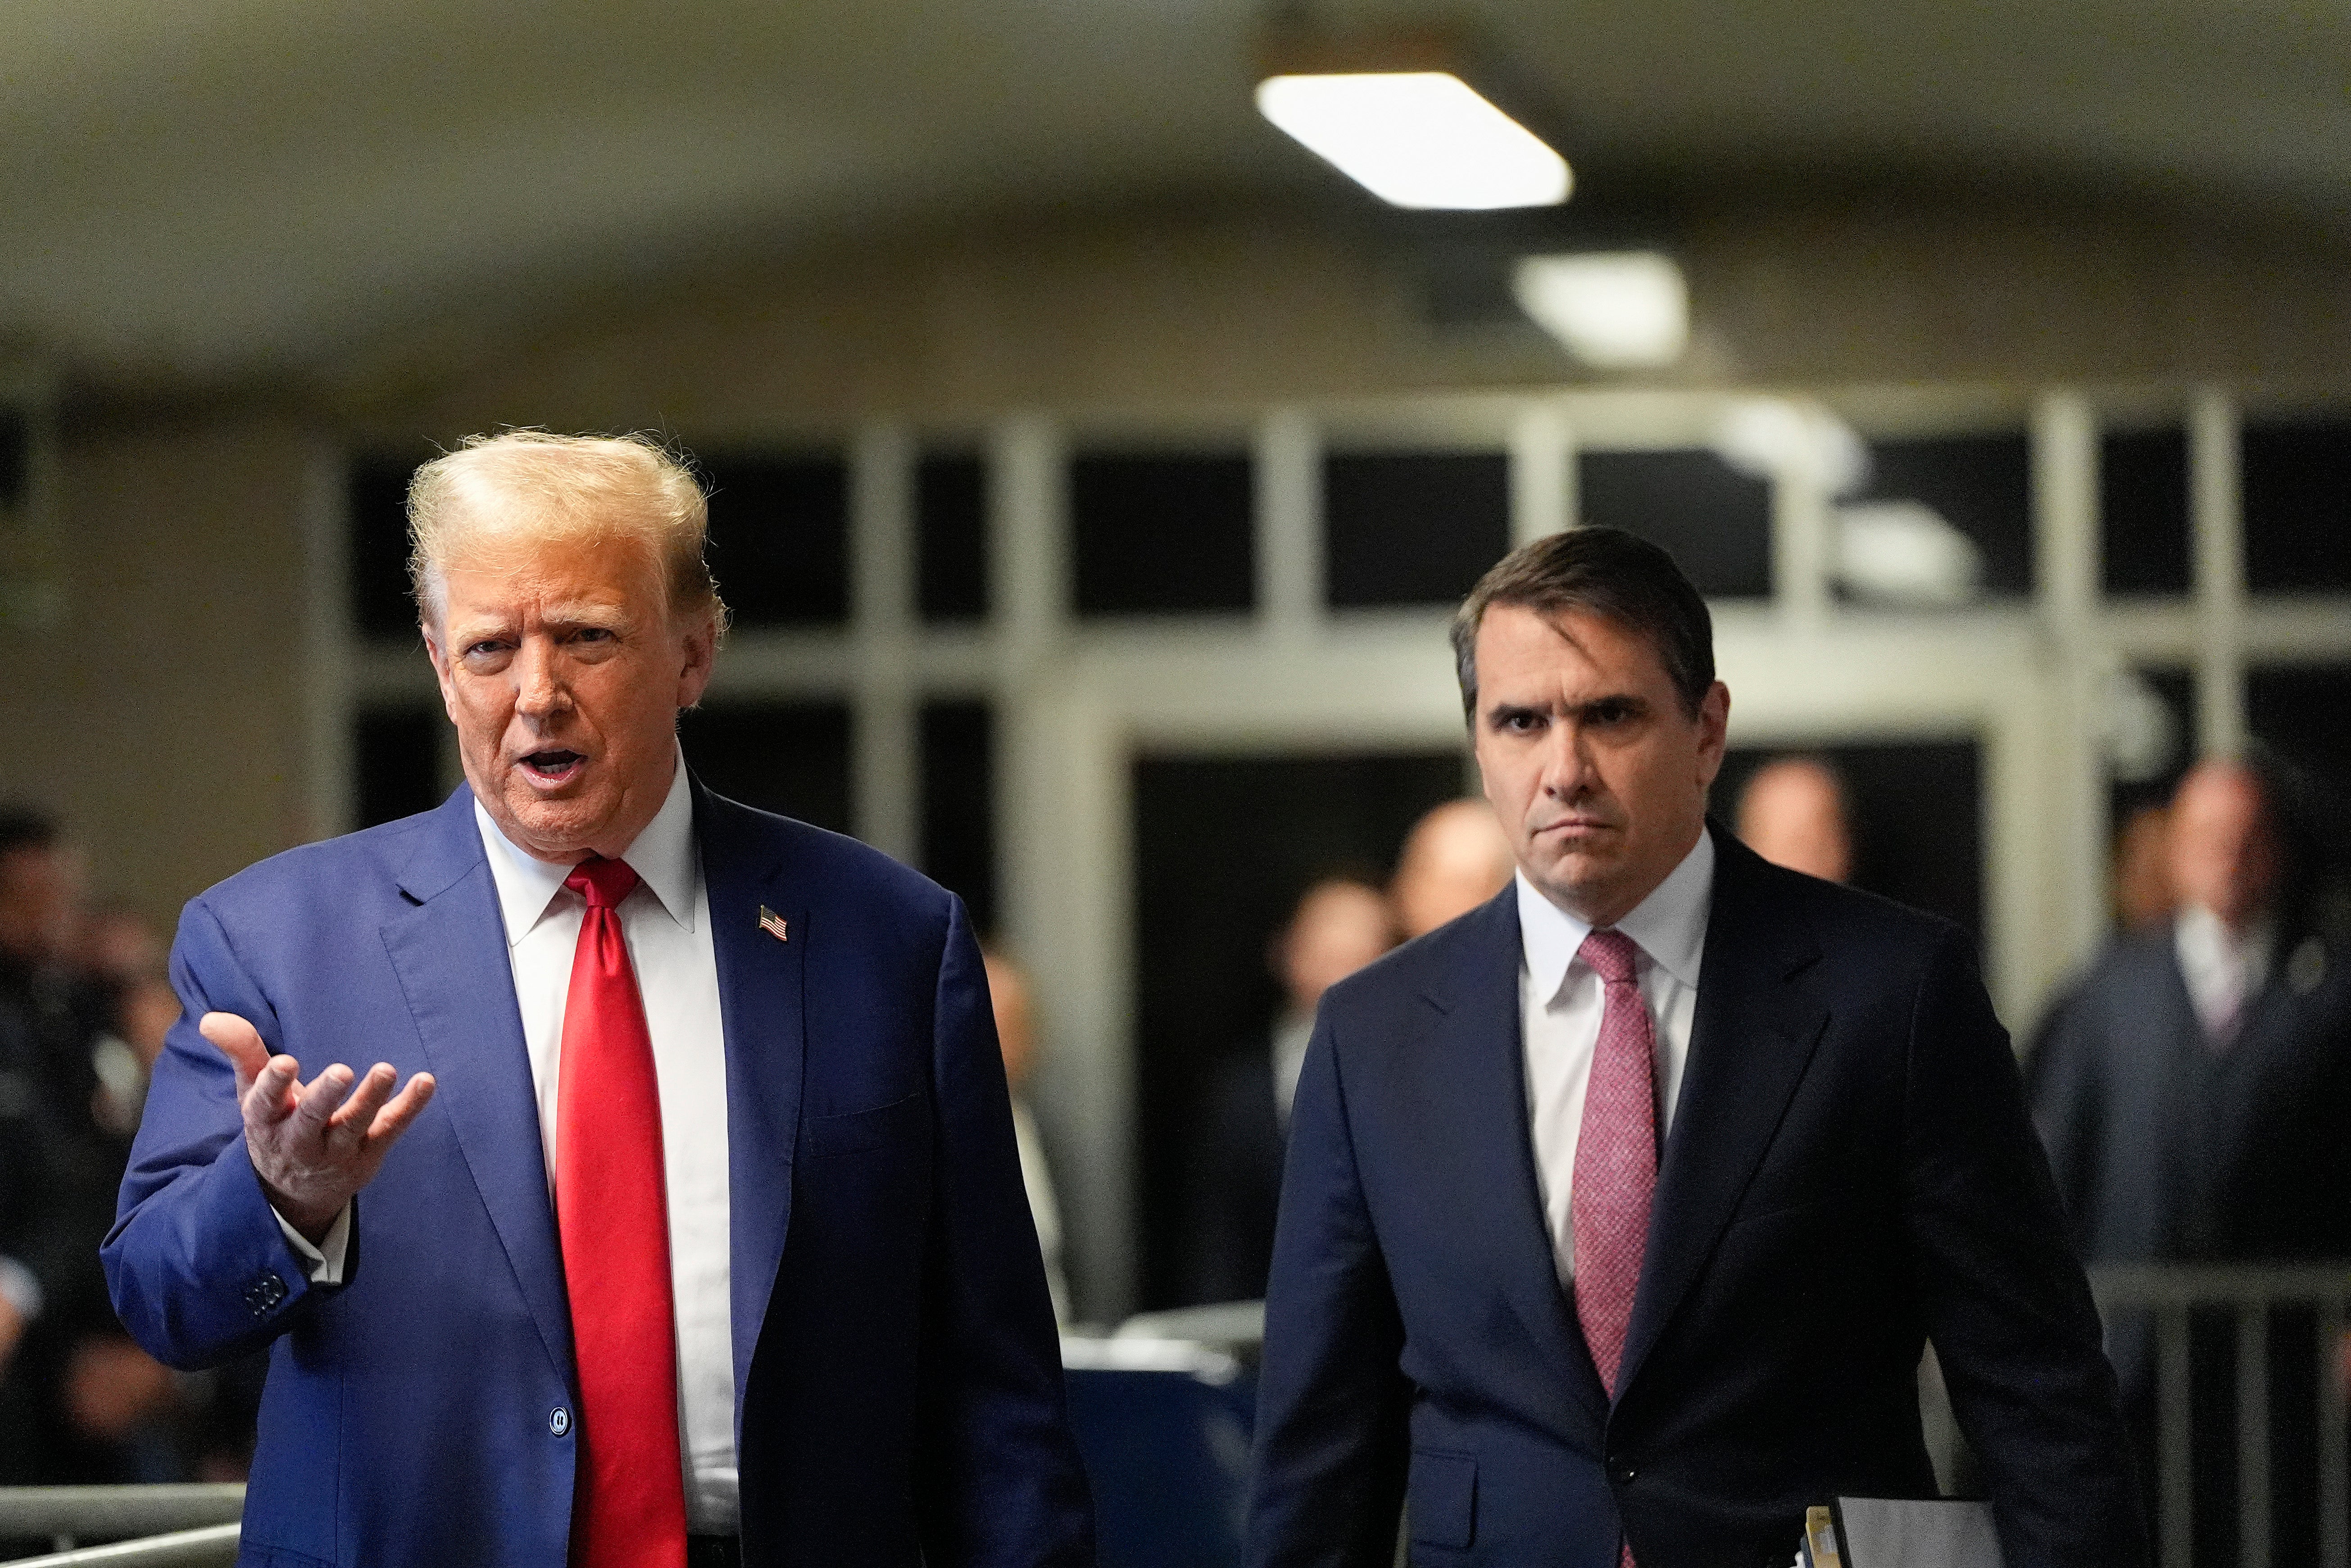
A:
x: 1615, y: 1175
x: 612, y: 1209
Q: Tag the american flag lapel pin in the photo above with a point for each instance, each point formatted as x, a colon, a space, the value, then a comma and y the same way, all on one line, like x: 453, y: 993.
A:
x: 774, y: 925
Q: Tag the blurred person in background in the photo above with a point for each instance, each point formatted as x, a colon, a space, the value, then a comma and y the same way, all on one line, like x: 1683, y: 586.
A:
x: 1792, y: 813
x: 89, y: 1403
x: 1455, y: 859
x: 2140, y: 888
x: 1014, y: 1005
x: 2191, y: 1091
x: 1339, y: 925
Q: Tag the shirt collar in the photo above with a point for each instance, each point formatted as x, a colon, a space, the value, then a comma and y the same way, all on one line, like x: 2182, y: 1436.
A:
x: 1668, y: 926
x: 663, y: 856
x: 2208, y: 947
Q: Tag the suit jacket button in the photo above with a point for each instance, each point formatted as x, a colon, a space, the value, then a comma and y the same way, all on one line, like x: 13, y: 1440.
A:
x: 1621, y: 1473
x: 265, y: 1293
x: 559, y: 1420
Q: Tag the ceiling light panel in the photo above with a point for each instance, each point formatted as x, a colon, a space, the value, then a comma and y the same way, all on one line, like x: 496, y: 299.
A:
x: 1612, y: 310
x: 1425, y: 140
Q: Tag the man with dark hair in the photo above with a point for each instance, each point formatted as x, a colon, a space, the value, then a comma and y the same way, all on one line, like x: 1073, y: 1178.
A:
x: 1619, y: 1211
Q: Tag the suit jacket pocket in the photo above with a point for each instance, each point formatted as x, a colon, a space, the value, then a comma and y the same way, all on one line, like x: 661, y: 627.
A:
x: 1811, y: 1205
x: 822, y: 1136
x: 1441, y: 1498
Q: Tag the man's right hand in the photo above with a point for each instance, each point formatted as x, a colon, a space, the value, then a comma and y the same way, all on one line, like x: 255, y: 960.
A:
x: 313, y: 1145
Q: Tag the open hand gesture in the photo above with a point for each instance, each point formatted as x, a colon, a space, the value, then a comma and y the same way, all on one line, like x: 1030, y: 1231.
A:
x: 313, y: 1145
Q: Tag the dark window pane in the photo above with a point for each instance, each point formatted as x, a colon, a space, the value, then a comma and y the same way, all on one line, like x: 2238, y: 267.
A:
x: 2297, y: 498
x: 1980, y: 484
x: 398, y: 753
x: 16, y: 457
x: 376, y: 495
x: 780, y: 538
x: 951, y: 537
x: 1223, y: 849
x: 1413, y: 528
x: 959, y: 803
x: 1715, y: 521
x: 2303, y: 713
x: 790, y: 758
x: 1163, y: 532
x: 2143, y: 511
x: 2302, y: 716
x: 1915, y: 813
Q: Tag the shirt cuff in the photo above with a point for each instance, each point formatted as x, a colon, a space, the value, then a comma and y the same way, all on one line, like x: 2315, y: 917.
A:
x: 325, y: 1261
x: 19, y: 1288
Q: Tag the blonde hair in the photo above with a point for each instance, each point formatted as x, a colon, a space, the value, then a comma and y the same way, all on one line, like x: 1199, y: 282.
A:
x: 521, y: 488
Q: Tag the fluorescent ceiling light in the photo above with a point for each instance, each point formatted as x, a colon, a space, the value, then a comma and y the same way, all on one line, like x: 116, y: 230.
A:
x: 1903, y: 553
x: 1771, y: 438
x: 1417, y: 139
x: 1619, y: 310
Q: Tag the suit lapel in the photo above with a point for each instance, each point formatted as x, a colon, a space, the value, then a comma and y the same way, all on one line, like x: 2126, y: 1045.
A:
x: 450, y: 952
x: 1474, y: 1091
x: 1751, y: 1039
x: 761, y: 989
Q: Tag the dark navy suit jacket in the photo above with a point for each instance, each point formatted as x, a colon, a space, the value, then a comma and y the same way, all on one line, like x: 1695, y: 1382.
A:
x: 897, y: 1378
x: 2170, y: 1150
x: 1850, y: 1172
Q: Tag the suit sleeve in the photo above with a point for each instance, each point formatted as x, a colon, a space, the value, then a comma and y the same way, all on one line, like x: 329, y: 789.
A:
x: 1000, y: 1481
x: 1331, y: 1444
x: 2006, y: 1303
x: 199, y: 1269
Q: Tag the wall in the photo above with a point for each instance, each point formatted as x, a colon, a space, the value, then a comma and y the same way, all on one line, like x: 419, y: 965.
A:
x: 1155, y: 309
x: 165, y: 717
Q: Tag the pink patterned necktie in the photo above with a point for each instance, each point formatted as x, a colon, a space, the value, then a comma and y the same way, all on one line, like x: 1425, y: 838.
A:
x: 1615, y: 1161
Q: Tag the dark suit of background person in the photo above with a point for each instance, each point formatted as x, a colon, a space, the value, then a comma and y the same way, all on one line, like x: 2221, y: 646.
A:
x: 1849, y: 1174
x: 889, y: 1347
x: 79, y: 1403
x: 1338, y: 925
x: 2178, y: 1136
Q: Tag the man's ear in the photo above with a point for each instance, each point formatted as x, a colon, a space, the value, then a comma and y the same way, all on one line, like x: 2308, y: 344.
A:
x: 440, y: 661
x: 1714, y: 731
x: 701, y: 648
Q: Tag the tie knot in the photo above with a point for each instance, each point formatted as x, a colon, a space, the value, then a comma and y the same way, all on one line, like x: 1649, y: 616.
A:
x: 602, y: 883
x: 1610, y: 954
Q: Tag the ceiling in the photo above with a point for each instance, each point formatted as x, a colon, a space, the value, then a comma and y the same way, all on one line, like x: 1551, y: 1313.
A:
x: 239, y: 189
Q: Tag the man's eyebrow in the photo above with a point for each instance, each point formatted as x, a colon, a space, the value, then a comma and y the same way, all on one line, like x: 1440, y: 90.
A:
x: 586, y: 613
x: 1631, y: 700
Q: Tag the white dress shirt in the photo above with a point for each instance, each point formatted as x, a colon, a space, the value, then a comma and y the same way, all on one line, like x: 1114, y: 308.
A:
x: 1561, y: 1000
x: 666, y: 921
x: 2221, y: 969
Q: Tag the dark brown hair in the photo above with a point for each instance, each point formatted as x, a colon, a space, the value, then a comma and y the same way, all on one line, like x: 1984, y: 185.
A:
x: 1599, y: 571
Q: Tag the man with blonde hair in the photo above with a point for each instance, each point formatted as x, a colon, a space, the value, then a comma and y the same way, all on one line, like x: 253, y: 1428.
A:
x: 678, y: 1219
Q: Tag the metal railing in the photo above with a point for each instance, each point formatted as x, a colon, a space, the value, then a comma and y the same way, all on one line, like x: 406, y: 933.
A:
x: 191, y: 1526
x: 2174, y: 1300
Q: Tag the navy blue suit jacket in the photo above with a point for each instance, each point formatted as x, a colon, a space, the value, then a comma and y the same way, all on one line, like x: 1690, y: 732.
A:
x: 897, y: 1378
x: 1850, y: 1172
